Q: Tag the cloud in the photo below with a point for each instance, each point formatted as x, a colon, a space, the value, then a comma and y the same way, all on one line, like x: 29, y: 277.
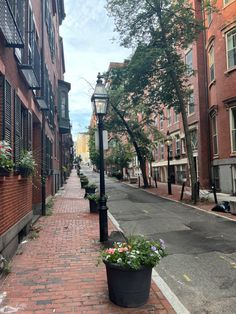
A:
x: 87, y: 34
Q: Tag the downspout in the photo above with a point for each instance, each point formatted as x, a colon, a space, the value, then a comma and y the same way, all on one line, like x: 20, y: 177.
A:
x: 206, y: 95
x: 43, y: 177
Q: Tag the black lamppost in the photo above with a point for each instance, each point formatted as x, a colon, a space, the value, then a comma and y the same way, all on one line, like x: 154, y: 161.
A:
x: 168, y: 142
x: 100, y: 101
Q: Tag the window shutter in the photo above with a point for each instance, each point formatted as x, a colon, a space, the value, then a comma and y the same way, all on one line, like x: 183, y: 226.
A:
x: 17, y: 143
x: 29, y: 131
x: 24, y: 128
x: 7, y: 114
x: 47, y: 155
x: 1, y: 105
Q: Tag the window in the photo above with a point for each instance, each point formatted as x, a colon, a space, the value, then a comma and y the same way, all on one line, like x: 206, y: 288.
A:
x: 48, y: 156
x: 155, y: 153
x: 231, y: 48
x: 180, y: 173
x: 63, y: 104
x: 169, y: 117
x: 189, y: 61
x: 162, y: 150
x: 191, y: 106
x: 227, y: 1
x: 161, y: 121
x: 209, y: 16
x: 194, y: 140
x: 214, y: 135
x: 7, y: 121
x: 233, y: 129
x: 22, y: 129
x: 211, y: 64
x: 183, y: 146
x: 50, y: 29
x: 171, y: 150
x: 177, y: 146
x: 176, y: 117
x: 18, y: 10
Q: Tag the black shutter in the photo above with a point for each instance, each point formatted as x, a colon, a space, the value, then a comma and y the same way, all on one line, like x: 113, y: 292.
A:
x: 24, y: 128
x: 47, y: 155
x: 1, y: 105
x: 7, y: 113
x: 29, y: 131
x: 17, y: 142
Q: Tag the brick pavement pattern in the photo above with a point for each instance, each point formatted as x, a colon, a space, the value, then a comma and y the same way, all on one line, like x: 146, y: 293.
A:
x: 56, y: 272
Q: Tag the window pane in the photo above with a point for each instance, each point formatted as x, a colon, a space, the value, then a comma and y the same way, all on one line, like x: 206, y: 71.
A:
x: 215, y: 145
x: 214, y: 136
x: 231, y: 48
x: 189, y: 60
x: 234, y: 118
x: 233, y: 128
x: 212, y: 64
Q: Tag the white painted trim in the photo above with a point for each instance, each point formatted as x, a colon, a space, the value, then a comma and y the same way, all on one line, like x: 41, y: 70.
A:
x: 170, y: 296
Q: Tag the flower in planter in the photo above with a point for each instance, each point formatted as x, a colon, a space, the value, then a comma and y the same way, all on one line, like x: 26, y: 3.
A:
x: 6, y: 163
x: 26, y: 164
x: 95, y: 197
x: 135, y: 253
x: 91, y: 186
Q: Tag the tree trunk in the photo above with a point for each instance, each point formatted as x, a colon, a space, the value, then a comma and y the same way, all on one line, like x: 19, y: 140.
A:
x: 193, y: 175
x: 142, y: 161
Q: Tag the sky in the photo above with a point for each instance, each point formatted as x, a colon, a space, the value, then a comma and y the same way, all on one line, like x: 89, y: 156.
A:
x: 89, y: 47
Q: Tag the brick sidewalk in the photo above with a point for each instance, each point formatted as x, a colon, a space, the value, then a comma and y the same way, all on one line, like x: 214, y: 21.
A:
x: 56, y: 272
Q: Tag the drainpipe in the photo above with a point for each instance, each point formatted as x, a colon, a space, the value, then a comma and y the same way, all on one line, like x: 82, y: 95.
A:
x: 206, y: 95
x: 43, y: 177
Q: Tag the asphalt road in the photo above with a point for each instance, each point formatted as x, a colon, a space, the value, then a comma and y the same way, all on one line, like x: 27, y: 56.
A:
x: 201, y: 264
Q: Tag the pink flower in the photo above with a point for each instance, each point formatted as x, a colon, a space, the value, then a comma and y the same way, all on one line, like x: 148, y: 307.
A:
x: 110, y: 251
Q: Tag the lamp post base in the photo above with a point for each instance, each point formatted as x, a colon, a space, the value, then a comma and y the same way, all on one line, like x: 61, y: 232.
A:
x: 115, y: 236
x: 169, y: 188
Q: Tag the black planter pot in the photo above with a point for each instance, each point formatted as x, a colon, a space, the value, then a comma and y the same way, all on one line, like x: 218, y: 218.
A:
x: 25, y: 172
x: 93, y: 206
x: 127, y: 287
x: 4, y: 172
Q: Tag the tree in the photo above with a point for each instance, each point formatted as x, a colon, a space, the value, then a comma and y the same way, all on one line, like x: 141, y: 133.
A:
x: 93, y: 152
x: 162, y: 29
x: 119, y: 157
x: 124, y: 117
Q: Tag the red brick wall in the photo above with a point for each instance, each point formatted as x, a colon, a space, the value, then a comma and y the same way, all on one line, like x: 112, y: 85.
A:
x: 16, y: 200
x: 224, y: 86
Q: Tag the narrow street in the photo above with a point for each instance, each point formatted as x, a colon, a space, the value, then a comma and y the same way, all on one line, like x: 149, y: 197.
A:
x: 201, y: 266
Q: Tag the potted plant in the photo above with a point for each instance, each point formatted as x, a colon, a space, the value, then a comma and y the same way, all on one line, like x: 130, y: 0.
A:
x: 93, y: 202
x: 129, y: 269
x: 90, y: 189
x: 26, y: 165
x: 84, y: 181
x: 6, y: 163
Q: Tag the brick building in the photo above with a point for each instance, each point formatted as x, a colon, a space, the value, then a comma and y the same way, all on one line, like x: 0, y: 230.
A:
x: 33, y: 110
x: 221, y: 51
x: 211, y: 109
x: 197, y: 109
